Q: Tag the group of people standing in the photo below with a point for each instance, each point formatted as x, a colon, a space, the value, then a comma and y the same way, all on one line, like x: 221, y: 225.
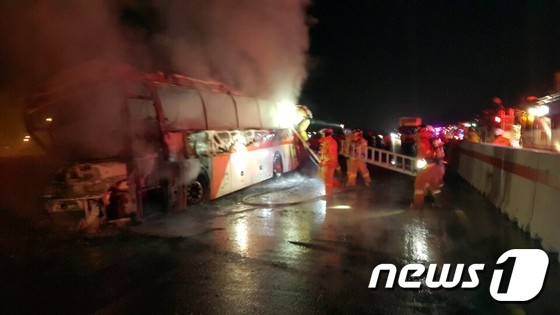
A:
x: 354, y: 148
x: 499, y: 138
x: 429, y: 177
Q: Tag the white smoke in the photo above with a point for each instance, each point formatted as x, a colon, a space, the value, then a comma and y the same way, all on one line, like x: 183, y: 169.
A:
x: 40, y: 38
x: 259, y: 47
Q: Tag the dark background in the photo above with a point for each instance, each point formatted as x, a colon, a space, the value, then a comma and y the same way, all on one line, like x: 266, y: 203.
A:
x: 368, y: 62
x: 374, y: 61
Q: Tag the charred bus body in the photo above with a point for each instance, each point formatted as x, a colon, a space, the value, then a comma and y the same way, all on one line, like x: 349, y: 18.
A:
x: 132, y: 135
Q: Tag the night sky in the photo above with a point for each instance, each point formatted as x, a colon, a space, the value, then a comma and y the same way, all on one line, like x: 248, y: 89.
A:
x: 374, y: 61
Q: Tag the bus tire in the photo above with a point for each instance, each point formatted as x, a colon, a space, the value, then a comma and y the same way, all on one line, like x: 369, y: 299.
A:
x: 199, y: 190
x: 277, y: 166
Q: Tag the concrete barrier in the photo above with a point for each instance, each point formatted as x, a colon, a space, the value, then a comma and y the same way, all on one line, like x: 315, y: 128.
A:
x: 546, y: 218
x: 523, y: 184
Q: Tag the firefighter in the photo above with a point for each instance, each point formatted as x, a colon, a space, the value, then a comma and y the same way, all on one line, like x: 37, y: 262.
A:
x: 472, y: 136
x: 305, y: 116
x: 328, y: 159
x: 500, y: 139
x: 344, y: 146
x: 357, y: 153
x: 429, y: 177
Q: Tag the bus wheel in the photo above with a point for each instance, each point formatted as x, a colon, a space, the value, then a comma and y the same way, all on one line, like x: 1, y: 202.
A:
x: 277, y: 167
x: 198, y: 191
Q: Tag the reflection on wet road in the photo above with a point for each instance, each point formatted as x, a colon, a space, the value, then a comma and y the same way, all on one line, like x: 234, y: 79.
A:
x: 322, y: 251
x: 273, y: 248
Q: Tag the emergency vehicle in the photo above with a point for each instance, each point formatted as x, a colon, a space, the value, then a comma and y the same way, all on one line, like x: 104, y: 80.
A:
x: 408, y: 129
x: 540, y: 124
x: 131, y: 135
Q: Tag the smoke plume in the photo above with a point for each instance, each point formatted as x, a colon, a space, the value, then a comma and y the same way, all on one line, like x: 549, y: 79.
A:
x: 256, y: 46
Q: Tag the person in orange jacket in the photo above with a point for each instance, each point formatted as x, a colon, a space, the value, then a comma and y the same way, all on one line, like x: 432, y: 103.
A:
x: 500, y: 139
x: 328, y: 155
x: 357, y: 154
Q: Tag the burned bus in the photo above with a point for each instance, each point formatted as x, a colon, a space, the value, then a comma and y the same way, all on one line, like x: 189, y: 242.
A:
x: 131, y: 135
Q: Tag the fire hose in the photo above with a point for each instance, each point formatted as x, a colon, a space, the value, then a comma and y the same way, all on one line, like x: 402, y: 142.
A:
x: 314, y: 159
x: 312, y: 153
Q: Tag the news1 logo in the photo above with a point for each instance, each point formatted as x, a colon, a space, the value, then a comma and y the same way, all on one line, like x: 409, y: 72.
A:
x: 526, y: 280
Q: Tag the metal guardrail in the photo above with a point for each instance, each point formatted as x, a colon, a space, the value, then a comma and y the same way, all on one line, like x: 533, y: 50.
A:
x: 392, y: 161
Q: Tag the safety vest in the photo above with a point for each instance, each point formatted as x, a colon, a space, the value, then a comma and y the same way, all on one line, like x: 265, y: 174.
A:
x: 431, y: 150
x: 329, y: 151
x: 501, y: 140
x: 358, y: 149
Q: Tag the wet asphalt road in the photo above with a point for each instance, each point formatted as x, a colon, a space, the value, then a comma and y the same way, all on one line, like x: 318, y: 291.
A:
x: 272, y: 248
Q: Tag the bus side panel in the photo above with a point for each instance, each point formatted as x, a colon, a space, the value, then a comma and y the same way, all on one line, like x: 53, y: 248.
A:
x: 220, y: 177
x: 240, y: 170
x: 261, y: 164
x: 289, y: 157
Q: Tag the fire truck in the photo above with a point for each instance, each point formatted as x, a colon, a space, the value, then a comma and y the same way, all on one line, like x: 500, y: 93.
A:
x: 408, y: 128
x: 132, y: 136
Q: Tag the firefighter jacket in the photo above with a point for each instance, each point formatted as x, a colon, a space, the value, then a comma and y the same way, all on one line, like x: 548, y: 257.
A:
x: 358, y: 149
x: 345, y: 150
x: 501, y: 140
x: 430, y: 150
x: 328, y: 152
x: 472, y: 136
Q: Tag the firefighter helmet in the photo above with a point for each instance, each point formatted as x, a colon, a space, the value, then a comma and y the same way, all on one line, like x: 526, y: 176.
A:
x: 426, y: 132
x: 327, y: 132
x: 304, y: 111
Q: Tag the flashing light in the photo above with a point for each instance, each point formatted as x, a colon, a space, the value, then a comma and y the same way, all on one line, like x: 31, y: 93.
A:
x: 48, y: 119
x: 531, y: 98
x: 340, y: 207
x: 342, y: 126
x: 25, y: 139
x: 497, y: 119
x: 531, y: 118
x: 539, y: 111
x: 288, y: 115
x: 421, y: 163
x: 394, y: 136
x: 473, y: 125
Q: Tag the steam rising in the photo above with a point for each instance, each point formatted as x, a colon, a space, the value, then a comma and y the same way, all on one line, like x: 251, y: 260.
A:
x: 257, y: 47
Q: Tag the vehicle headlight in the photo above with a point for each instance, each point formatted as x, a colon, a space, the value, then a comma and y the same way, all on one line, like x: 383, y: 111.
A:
x: 421, y: 163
